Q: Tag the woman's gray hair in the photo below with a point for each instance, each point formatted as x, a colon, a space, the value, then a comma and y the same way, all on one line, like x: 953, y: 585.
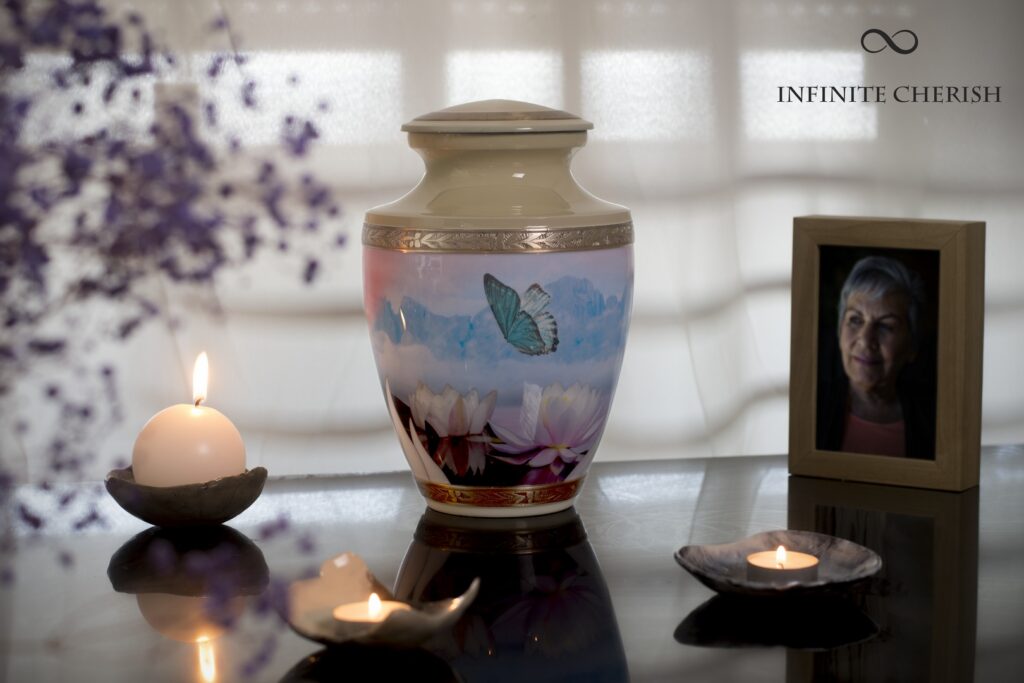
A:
x: 876, y: 276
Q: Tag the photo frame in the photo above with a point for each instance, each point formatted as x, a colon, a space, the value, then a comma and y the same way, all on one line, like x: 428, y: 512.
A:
x: 886, y: 350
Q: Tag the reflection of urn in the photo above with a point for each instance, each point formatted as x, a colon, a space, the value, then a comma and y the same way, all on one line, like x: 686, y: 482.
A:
x: 190, y: 584
x: 543, y: 611
x: 377, y: 663
x: 498, y: 294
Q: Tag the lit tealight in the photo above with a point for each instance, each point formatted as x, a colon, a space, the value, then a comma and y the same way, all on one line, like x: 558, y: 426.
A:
x: 373, y: 611
x: 781, y: 566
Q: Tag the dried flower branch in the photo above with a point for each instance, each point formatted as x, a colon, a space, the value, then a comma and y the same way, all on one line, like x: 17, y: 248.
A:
x: 145, y: 183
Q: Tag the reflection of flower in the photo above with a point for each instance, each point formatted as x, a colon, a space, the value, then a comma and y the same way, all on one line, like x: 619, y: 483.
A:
x: 554, y: 615
x: 557, y: 426
x: 459, y: 421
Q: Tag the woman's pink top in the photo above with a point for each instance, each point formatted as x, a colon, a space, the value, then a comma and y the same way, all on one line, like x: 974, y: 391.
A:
x: 873, y: 438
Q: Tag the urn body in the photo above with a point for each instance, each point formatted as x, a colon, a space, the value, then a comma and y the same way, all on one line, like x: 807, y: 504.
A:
x: 498, y: 295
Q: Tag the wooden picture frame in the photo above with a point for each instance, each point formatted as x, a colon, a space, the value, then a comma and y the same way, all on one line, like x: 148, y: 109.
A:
x: 930, y: 424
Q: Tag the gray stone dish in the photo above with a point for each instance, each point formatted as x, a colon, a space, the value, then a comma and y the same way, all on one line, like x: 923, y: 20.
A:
x: 213, y: 502
x: 345, y: 579
x: 723, y: 568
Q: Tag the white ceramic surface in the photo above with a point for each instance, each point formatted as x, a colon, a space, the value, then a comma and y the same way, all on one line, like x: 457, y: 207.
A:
x: 346, y: 579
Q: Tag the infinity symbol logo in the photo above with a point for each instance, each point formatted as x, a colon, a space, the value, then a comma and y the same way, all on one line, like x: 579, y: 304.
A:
x: 888, y: 41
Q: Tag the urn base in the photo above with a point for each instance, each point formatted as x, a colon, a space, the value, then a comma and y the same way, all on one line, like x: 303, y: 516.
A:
x: 500, y: 501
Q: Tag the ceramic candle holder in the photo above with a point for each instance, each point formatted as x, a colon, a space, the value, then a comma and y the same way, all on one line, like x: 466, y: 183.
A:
x: 207, y: 504
x: 724, y: 567
x: 345, y: 579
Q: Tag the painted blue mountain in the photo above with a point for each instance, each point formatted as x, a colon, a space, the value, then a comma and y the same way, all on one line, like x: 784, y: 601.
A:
x: 590, y: 326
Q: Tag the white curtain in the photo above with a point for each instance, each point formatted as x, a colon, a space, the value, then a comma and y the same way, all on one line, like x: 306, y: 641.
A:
x: 688, y: 134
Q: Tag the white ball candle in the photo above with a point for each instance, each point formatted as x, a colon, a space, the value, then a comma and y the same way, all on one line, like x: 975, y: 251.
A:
x: 188, y: 444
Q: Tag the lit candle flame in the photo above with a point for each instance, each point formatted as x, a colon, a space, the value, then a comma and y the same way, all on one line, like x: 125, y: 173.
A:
x: 207, y: 662
x: 373, y: 606
x: 780, y: 557
x: 200, y: 375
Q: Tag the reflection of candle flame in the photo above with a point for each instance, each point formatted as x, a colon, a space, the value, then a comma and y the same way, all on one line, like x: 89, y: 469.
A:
x: 780, y: 557
x: 207, y: 663
x: 200, y: 375
x: 373, y: 606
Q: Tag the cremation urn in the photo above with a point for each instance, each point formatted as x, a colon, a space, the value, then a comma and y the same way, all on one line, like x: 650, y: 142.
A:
x: 498, y: 295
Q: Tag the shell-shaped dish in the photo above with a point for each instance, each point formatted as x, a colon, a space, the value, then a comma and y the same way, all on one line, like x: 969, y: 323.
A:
x: 346, y: 579
x: 206, y: 504
x: 723, y: 568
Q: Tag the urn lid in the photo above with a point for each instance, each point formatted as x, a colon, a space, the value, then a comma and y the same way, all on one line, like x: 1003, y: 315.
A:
x: 497, y: 116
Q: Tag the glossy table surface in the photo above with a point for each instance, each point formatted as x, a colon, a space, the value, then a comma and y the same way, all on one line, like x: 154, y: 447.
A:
x: 557, y: 602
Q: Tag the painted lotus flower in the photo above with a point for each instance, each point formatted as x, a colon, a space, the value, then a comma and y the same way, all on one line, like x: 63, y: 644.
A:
x: 423, y: 466
x: 459, y: 421
x: 557, y: 427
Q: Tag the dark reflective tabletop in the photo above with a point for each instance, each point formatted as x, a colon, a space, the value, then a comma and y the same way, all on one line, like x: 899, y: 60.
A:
x: 590, y: 594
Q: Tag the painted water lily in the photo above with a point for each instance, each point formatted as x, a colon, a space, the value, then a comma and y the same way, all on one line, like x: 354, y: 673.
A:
x: 423, y: 466
x: 459, y: 421
x: 557, y: 427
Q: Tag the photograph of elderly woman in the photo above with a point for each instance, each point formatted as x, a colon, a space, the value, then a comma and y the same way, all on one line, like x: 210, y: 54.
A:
x: 876, y: 384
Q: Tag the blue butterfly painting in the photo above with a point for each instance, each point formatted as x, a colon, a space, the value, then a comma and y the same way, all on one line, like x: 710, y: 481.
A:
x: 524, y: 322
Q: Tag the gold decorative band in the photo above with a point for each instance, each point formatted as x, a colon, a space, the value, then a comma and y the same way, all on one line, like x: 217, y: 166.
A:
x: 526, y: 240
x: 499, y: 496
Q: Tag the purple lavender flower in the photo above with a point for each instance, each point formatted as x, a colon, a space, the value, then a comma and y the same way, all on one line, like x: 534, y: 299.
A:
x: 158, y: 204
x: 92, y: 518
x: 6, y: 576
x: 262, y: 657
x: 30, y: 518
x: 271, y: 529
x: 306, y: 545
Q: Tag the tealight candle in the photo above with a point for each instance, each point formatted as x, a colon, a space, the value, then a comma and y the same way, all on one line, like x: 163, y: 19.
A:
x: 188, y: 444
x: 372, y: 611
x: 781, y: 566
